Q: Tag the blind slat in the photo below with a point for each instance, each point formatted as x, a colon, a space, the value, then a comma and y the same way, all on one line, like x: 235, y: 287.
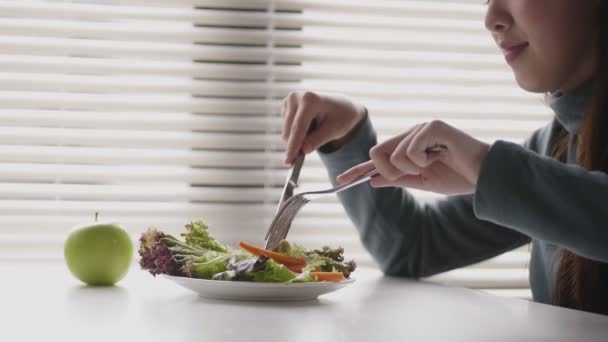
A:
x: 166, y: 85
x: 182, y: 11
x: 175, y: 53
x: 210, y: 211
x: 383, y: 7
x: 158, y: 193
x: 187, y: 33
x: 166, y: 103
x: 215, y: 141
x: 333, y: 66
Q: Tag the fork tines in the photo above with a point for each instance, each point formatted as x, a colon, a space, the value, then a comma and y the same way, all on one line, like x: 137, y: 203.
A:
x: 282, y: 221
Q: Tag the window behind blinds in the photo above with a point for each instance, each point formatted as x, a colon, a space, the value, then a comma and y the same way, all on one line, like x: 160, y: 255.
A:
x: 158, y: 112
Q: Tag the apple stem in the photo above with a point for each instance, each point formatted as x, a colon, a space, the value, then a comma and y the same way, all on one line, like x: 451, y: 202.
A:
x: 96, y: 216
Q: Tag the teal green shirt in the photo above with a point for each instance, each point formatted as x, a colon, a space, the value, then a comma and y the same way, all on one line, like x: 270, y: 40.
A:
x: 522, y: 195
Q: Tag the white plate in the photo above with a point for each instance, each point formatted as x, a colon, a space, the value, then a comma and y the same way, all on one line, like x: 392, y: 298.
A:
x: 242, y: 290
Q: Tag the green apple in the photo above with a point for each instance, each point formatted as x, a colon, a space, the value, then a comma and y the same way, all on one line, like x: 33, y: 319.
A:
x: 99, y: 254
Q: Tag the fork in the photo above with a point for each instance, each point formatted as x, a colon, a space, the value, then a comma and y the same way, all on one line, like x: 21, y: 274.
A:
x: 279, y: 228
x: 282, y: 221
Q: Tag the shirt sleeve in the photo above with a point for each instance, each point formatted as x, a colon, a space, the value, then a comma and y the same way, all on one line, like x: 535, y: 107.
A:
x: 408, y: 238
x: 544, y: 199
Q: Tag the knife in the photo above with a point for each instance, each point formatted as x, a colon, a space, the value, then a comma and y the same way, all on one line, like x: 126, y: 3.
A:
x: 290, y: 184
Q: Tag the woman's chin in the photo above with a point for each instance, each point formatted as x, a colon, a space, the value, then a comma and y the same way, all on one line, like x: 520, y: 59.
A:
x: 528, y: 82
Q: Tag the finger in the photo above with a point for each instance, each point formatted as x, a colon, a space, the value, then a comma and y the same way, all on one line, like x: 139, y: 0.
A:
x: 355, y: 172
x: 290, y: 106
x: 417, y: 150
x: 385, y: 168
x: 318, y: 137
x: 380, y: 182
x: 381, y: 155
x: 413, y: 182
x: 400, y: 158
x: 299, y: 129
x: 406, y: 181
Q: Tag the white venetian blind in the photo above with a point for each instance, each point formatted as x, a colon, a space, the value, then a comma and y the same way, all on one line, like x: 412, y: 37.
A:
x: 158, y: 112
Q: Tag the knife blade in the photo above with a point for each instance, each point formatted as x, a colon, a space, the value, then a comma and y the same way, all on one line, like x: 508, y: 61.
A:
x: 291, y: 182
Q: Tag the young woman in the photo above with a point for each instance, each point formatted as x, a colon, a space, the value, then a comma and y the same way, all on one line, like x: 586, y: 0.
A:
x: 551, y: 191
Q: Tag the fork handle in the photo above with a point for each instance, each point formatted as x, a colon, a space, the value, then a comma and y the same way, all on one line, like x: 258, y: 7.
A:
x: 361, y: 179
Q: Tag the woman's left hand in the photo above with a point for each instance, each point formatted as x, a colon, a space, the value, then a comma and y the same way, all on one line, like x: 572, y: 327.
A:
x: 405, y: 160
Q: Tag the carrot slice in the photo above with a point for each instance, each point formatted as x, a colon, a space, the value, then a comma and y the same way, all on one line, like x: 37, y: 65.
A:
x: 327, y: 276
x: 288, y: 261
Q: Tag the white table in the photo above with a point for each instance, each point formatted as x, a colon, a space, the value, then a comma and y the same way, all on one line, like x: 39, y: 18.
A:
x: 42, y: 302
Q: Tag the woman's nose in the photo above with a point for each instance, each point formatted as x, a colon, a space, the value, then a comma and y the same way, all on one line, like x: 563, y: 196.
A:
x: 498, y: 18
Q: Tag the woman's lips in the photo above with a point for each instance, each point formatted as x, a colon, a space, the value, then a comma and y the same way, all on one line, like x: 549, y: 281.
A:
x: 512, y: 52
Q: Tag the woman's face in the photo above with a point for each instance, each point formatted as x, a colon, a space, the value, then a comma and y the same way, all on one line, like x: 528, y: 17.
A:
x: 549, y: 44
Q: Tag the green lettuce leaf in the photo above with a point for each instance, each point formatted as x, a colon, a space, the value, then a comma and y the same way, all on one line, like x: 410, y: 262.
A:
x: 273, y: 273
x: 325, y: 259
x: 204, y: 267
x: 197, y: 235
x: 303, y: 277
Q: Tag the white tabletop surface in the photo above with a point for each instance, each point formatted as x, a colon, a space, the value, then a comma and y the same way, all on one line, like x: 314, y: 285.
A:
x: 42, y: 302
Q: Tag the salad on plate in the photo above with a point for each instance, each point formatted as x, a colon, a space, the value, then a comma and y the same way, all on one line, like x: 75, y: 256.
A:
x: 199, y: 255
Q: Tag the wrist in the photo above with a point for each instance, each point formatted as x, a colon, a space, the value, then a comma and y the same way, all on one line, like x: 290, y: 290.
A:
x: 479, y: 158
x: 338, y: 143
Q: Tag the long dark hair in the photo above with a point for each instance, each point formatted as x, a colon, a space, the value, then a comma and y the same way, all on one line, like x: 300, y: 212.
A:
x: 583, y: 283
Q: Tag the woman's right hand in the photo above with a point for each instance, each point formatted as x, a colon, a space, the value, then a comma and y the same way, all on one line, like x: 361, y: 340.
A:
x: 334, y: 117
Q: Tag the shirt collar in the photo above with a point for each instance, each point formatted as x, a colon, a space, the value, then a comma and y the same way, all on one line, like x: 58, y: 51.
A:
x: 569, y: 108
